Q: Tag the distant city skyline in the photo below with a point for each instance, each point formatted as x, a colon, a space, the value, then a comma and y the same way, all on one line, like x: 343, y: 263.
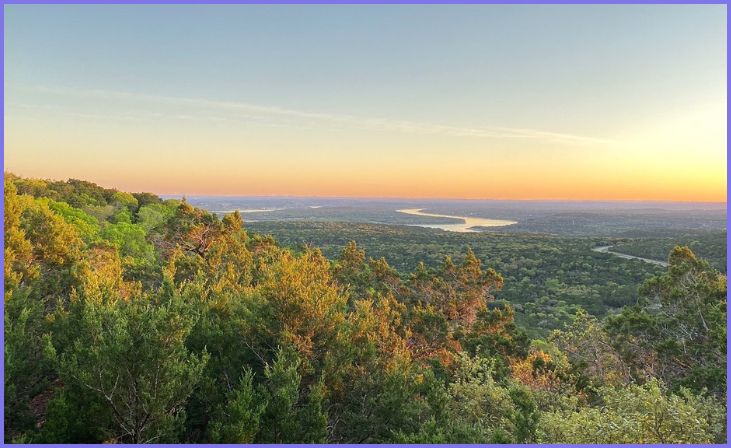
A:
x: 559, y: 102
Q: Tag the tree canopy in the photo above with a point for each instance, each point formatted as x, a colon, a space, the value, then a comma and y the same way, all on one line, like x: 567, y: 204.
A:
x: 129, y: 318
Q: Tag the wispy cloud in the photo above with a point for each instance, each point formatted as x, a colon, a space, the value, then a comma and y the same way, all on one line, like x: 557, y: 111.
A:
x: 216, y: 110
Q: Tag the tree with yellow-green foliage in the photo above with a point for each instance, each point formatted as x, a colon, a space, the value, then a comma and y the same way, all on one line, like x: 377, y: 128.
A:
x: 677, y: 331
x: 636, y: 414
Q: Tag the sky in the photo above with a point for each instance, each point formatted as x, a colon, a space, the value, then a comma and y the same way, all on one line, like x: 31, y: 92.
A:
x: 603, y: 102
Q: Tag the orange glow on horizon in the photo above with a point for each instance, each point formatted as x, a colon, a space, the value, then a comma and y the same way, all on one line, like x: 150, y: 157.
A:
x: 646, y: 166
x: 705, y: 189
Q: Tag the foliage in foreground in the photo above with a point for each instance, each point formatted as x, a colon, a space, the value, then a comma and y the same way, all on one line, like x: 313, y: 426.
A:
x: 132, y: 319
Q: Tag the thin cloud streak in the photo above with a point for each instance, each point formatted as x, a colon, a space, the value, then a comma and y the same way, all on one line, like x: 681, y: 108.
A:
x: 263, y: 111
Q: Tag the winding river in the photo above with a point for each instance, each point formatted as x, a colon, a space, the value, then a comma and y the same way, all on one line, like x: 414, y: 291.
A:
x: 605, y: 250
x: 466, y: 225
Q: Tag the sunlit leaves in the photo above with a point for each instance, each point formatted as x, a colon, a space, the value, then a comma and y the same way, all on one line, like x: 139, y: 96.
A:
x: 635, y: 414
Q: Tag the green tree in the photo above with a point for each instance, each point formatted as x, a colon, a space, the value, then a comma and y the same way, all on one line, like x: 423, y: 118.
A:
x: 150, y: 216
x: 131, y: 355
x: 352, y: 272
x: 86, y: 225
x: 29, y: 366
x: 677, y: 332
x: 291, y: 415
x: 239, y: 419
x: 590, y: 349
x: 479, y: 402
x: 636, y: 414
x: 131, y: 241
x: 19, y: 262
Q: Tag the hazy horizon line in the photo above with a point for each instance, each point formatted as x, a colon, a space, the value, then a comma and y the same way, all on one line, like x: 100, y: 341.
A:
x: 412, y: 199
x: 179, y: 195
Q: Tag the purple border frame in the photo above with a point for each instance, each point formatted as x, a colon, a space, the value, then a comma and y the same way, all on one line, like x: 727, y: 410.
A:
x: 358, y: 2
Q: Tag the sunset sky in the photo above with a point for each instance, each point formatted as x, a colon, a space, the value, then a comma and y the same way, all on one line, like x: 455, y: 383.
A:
x: 502, y: 102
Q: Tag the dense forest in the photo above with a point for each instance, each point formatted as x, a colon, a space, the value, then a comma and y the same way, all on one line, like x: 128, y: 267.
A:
x: 547, y: 278
x: 129, y: 318
x: 709, y: 245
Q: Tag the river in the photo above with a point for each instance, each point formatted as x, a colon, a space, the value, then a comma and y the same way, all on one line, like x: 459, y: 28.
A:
x: 605, y: 250
x: 466, y: 225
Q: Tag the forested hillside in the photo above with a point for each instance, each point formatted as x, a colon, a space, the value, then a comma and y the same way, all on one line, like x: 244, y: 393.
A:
x: 129, y: 318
